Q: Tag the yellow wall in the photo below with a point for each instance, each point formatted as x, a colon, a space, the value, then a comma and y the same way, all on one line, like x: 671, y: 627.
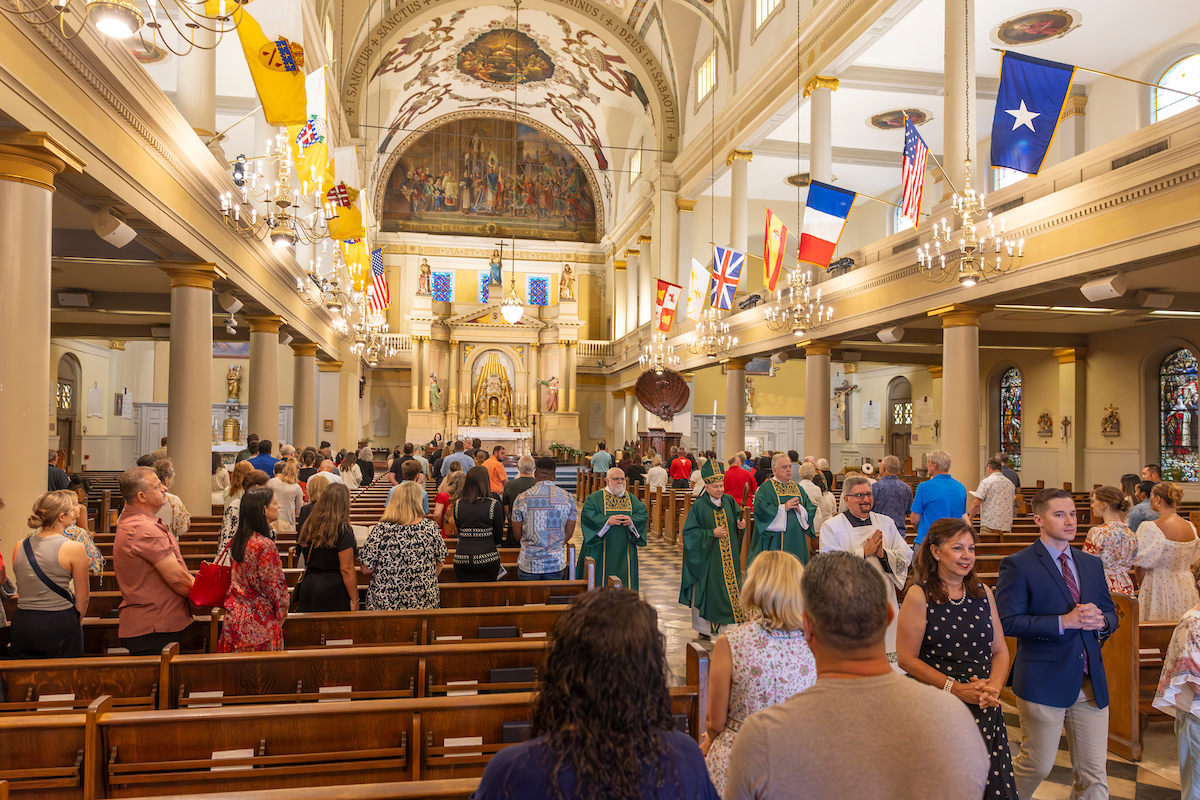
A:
x: 395, y: 386
x: 782, y: 395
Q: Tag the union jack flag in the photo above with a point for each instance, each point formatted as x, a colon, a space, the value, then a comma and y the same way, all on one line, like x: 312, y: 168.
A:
x: 727, y: 271
x: 339, y: 196
x: 312, y: 132
x: 380, y: 296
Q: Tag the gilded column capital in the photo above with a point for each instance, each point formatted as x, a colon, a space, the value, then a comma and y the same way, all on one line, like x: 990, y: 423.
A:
x: 632, y: 251
x: 818, y: 347
x: 685, y: 204
x: 35, y: 158
x: 116, y: 344
x: 630, y: 391
x: 301, y: 349
x: 1076, y: 106
x: 194, y: 274
x: 959, y: 315
x: 1070, y: 355
x: 821, y: 82
x: 619, y: 265
x: 264, y: 323
x: 850, y: 368
x: 618, y: 394
x: 738, y: 155
x: 736, y: 363
x: 572, y: 343
x: 935, y: 372
x: 453, y: 343
x: 329, y: 366
x: 534, y: 345
x: 644, y: 238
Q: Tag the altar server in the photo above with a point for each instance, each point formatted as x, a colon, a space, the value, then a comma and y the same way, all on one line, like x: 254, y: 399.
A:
x: 614, y: 526
x: 712, y: 544
x: 783, y: 514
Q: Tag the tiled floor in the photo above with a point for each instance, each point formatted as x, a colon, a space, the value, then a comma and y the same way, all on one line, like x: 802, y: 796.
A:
x: 1156, y: 777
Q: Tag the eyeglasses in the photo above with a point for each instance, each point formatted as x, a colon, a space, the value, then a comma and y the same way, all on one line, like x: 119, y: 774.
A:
x: 861, y: 496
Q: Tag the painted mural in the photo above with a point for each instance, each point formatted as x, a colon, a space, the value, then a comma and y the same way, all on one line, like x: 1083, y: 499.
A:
x: 482, y: 176
x: 506, y: 57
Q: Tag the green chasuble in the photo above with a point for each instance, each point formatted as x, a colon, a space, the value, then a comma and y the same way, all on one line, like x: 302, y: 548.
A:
x: 767, y: 500
x: 710, y: 565
x: 615, y: 552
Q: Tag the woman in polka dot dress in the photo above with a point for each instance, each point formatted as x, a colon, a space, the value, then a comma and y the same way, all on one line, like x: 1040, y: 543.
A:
x: 949, y: 636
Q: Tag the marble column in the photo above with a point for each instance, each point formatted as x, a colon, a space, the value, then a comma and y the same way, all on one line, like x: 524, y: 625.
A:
x: 28, y: 164
x: 620, y: 299
x: 735, y: 405
x: 263, y: 417
x: 820, y: 91
x: 349, y: 406
x: 738, y: 162
x: 196, y: 88
x: 668, y: 239
x: 415, y: 372
x: 426, y: 373
x: 304, y: 395
x: 531, y: 399
x: 571, y: 374
x: 452, y: 404
x: 816, y: 397
x: 935, y: 394
x: 633, y: 259
x: 1072, y: 403
x: 960, y: 390
x: 1071, y: 136
x: 619, y: 435
x: 631, y: 431
x: 647, y: 275
x: 683, y: 264
x: 960, y: 115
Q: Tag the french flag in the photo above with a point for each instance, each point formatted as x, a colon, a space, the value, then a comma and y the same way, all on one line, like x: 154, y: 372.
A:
x: 824, y: 219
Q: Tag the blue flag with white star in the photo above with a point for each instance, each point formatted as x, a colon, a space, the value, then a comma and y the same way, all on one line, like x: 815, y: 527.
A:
x: 1031, y: 98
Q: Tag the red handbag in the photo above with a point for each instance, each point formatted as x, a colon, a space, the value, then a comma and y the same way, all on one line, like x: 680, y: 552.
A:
x: 212, y: 582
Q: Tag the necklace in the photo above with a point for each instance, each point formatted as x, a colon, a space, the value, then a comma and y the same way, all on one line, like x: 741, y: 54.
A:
x: 960, y: 600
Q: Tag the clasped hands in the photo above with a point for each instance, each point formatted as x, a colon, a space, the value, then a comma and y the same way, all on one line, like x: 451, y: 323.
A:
x: 874, y: 544
x: 792, y: 504
x: 978, y: 692
x: 620, y: 520
x: 1085, y: 617
x: 722, y: 531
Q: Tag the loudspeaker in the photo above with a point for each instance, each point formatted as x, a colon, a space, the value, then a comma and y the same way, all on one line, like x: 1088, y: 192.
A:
x: 111, y: 229
x: 1148, y: 299
x: 1109, y: 288
x: 890, y: 335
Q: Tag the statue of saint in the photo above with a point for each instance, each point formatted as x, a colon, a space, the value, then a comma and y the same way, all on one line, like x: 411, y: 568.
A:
x: 233, y: 384
x: 551, y: 394
x: 566, y: 283
x: 435, y: 393
x: 749, y: 395
x: 494, y: 265
x: 424, y: 277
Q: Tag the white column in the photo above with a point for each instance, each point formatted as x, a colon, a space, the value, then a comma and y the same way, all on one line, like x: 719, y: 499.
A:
x: 820, y: 91
x: 426, y: 373
x: 631, y: 431
x: 683, y: 236
x: 451, y: 397
x: 960, y: 111
x: 28, y: 164
x: 632, y: 277
x: 1072, y: 402
x: 647, y: 273
x: 738, y: 162
x: 573, y: 376
x: 349, y: 409
x: 816, y: 398
x: 415, y: 372
x: 196, y: 88
x: 619, y: 436
x: 304, y: 395
x: 960, y: 391
x: 620, y: 299
x: 264, y: 377
x: 1071, y: 137
x: 735, y: 405
x: 531, y: 401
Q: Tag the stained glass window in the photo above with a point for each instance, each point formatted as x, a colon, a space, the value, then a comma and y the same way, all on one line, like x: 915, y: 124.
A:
x: 538, y: 290
x: 902, y: 412
x: 443, y: 287
x: 1010, y: 415
x: 484, y: 292
x: 63, y: 397
x: 1177, y: 403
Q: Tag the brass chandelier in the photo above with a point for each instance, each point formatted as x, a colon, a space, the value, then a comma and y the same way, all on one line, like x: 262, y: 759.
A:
x: 289, y: 215
x: 796, y: 309
x: 658, y: 356
x: 122, y: 19
x: 711, y: 338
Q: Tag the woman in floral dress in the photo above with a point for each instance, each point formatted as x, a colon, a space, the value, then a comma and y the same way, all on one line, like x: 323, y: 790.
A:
x: 257, y: 603
x: 1178, y: 695
x: 1167, y: 548
x: 403, y: 555
x: 1112, y: 540
x: 758, y: 664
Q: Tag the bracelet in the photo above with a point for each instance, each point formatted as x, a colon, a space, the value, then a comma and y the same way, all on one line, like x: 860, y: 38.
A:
x: 949, y: 685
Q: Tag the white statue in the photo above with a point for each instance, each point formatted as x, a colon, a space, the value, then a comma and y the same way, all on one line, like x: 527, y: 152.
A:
x: 841, y: 393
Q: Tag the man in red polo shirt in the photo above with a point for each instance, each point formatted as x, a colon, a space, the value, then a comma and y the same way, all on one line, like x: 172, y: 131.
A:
x: 737, y: 480
x: 681, y: 470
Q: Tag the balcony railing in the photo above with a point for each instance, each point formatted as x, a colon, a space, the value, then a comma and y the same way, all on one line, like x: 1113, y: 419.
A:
x: 595, y: 348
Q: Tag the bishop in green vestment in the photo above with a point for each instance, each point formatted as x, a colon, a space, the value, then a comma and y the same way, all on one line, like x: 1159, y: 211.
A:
x: 784, y: 516
x: 712, y: 546
x: 614, y: 526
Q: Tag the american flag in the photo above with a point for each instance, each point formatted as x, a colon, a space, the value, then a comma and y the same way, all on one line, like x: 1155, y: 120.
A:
x: 380, y: 297
x: 915, y: 154
x: 727, y: 271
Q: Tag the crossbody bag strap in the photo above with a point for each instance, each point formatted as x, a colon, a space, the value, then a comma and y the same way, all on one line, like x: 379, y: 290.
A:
x: 37, y: 570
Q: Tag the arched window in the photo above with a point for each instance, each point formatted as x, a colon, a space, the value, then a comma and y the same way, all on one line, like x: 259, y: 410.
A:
x: 1177, y: 403
x: 1183, y: 75
x: 1010, y: 415
x: 899, y: 221
x: 1003, y: 176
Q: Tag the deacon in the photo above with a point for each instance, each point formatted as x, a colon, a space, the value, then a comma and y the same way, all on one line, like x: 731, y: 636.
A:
x: 614, y: 526
x: 783, y: 514
x: 861, y: 531
x: 712, y: 537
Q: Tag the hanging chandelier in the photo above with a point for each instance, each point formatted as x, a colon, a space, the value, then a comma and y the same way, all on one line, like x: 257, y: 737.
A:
x: 796, y: 309
x: 711, y: 337
x: 512, y: 306
x: 658, y: 356
x: 122, y: 19
x: 287, y: 215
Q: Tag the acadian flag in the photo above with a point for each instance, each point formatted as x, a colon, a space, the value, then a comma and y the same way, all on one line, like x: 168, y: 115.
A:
x: 695, y: 297
x: 277, y: 68
x: 345, y: 220
x: 1028, y: 106
x: 825, y: 215
x: 666, y: 301
x: 310, y: 149
x: 774, y: 243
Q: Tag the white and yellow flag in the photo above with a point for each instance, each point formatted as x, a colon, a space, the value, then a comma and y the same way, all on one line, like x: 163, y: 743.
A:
x: 697, y: 291
x: 310, y: 141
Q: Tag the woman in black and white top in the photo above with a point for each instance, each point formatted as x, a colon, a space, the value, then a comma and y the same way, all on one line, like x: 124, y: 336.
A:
x: 479, y: 517
x: 403, y: 555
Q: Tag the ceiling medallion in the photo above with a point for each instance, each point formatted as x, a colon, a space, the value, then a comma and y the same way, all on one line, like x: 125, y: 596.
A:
x: 492, y: 58
x: 803, y: 179
x: 894, y: 120
x: 1036, y: 26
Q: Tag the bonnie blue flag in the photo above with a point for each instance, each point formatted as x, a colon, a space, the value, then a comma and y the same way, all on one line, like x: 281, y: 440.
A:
x: 1030, y: 101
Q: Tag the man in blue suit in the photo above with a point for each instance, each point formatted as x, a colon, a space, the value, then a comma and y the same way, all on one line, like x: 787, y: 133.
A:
x: 1054, y: 600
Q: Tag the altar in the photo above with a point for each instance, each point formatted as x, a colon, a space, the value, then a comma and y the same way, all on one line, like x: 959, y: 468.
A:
x: 517, y: 441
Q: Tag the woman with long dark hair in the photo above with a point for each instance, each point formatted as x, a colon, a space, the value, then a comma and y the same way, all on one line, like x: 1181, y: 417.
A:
x: 326, y: 542
x: 602, y: 723
x: 257, y: 602
x: 479, y: 517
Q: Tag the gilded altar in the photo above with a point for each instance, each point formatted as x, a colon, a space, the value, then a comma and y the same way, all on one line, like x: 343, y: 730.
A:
x: 492, y: 397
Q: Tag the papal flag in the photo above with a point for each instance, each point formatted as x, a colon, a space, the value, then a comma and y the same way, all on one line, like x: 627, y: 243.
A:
x: 774, y: 242
x: 666, y: 301
x: 341, y: 209
x: 277, y: 68
x: 696, y: 289
x: 309, y: 142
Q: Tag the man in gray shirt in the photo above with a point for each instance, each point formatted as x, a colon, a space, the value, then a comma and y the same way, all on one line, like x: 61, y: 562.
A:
x: 459, y: 457
x: 862, y: 731
x: 1142, y: 512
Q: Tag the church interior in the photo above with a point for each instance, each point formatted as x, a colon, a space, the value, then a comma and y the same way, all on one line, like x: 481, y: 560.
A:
x: 563, y: 225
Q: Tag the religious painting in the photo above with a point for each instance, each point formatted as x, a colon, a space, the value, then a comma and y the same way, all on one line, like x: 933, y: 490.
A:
x: 505, y: 56
x: 894, y: 119
x: 760, y: 366
x: 481, y: 176
x: 1045, y: 424
x: 231, y: 350
x: 1110, y: 424
x: 1036, y: 27
x: 1178, y: 410
x: 1010, y: 415
x: 328, y: 427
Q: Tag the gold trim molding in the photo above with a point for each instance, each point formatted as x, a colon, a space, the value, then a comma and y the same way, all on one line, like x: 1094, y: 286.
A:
x: 1076, y: 106
x: 935, y: 373
x: 739, y: 155
x: 329, y: 366
x: 264, y: 323
x: 1070, y: 355
x: 35, y: 158
x: 685, y: 204
x: 619, y: 265
x: 821, y: 82
x: 632, y: 251
x: 302, y: 349
x: 403, y: 249
x: 116, y: 344
x: 192, y: 274
x: 959, y: 315
x: 644, y: 238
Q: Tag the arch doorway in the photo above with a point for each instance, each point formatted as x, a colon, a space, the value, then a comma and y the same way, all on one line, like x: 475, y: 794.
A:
x: 900, y: 410
x: 66, y: 411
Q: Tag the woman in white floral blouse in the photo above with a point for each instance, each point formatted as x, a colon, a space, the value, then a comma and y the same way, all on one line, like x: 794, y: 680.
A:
x: 403, y: 555
x: 173, y: 514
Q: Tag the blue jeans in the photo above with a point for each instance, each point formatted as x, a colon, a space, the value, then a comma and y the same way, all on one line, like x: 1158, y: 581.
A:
x: 540, y: 576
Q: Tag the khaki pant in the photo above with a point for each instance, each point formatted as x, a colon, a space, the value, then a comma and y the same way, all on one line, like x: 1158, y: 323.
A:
x: 1187, y: 729
x: 986, y: 529
x: 1087, y: 738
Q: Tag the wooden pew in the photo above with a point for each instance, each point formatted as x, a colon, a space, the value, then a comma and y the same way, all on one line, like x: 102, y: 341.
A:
x: 134, y: 681
x: 458, y: 789
x: 42, y: 755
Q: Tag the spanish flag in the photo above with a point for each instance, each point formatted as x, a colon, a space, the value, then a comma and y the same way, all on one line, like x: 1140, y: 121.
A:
x: 774, y: 242
x: 277, y: 68
x: 309, y: 142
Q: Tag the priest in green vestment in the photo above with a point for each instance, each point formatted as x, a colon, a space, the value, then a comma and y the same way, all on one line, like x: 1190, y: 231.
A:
x: 712, y: 546
x: 784, y: 516
x: 614, y: 526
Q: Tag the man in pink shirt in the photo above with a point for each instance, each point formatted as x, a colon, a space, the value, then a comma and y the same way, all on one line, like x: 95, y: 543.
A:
x: 151, y: 572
